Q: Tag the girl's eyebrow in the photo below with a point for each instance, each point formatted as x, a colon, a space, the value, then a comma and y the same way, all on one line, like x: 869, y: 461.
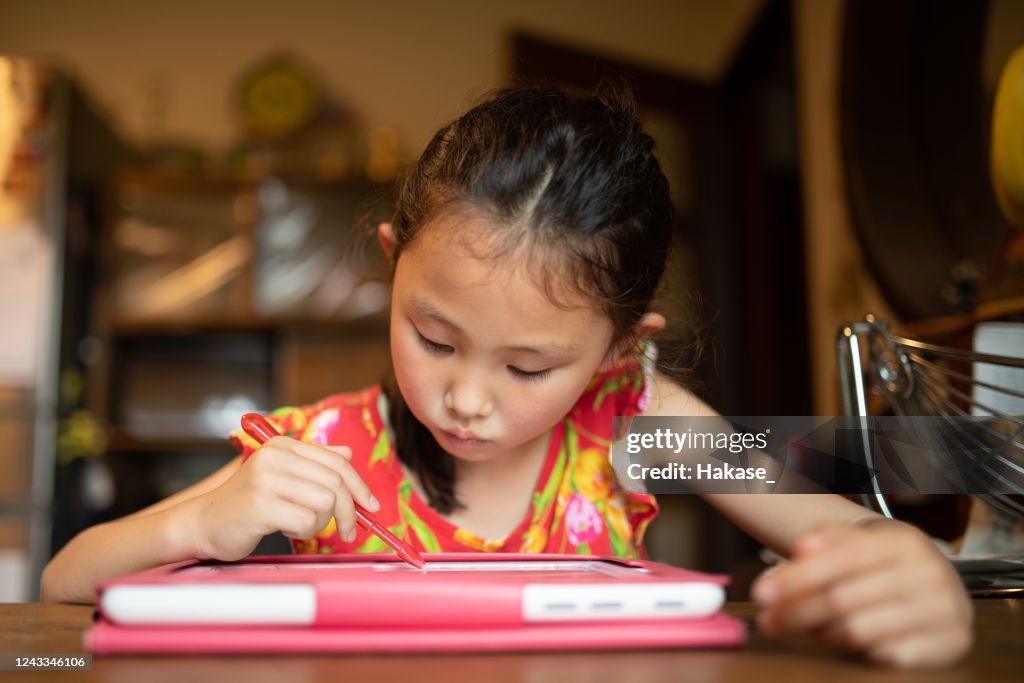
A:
x: 424, y: 307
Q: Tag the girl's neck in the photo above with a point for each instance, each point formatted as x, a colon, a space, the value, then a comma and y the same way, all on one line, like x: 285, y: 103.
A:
x: 496, y: 494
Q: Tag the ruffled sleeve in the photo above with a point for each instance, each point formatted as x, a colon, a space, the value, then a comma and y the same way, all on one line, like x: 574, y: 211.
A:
x: 289, y: 421
x: 625, y: 389
x: 602, y: 415
x: 641, y: 370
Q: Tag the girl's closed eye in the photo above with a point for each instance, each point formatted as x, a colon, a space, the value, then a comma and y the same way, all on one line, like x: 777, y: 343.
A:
x: 433, y: 346
x: 528, y: 375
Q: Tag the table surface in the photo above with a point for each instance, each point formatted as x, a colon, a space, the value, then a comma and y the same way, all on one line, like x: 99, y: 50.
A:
x: 57, y: 629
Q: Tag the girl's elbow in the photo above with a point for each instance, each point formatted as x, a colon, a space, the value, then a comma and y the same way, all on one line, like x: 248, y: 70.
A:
x: 47, y: 589
x: 53, y: 587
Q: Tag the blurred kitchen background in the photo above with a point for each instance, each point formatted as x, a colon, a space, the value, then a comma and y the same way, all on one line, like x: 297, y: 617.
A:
x: 189, y: 191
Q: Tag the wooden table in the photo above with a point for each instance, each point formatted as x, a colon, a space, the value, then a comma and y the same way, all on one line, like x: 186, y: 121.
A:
x: 57, y: 629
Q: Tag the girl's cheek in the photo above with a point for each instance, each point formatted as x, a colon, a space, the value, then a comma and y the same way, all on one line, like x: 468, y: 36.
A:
x: 414, y: 373
x: 539, y: 409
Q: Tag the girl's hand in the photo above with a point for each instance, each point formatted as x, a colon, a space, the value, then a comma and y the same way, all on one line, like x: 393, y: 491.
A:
x: 285, y: 485
x: 882, y: 588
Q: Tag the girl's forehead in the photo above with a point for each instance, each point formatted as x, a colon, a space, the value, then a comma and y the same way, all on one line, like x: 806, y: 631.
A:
x: 476, y: 252
x: 473, y: 286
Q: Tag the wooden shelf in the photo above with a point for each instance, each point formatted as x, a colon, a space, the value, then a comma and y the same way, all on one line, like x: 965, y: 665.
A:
x: 123, y: 442
x: 219, y: 180
x: 374, y: 324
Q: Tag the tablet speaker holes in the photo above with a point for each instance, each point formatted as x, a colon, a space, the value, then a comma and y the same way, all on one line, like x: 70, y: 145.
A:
x: 560, y: 606
x: 605, y: 606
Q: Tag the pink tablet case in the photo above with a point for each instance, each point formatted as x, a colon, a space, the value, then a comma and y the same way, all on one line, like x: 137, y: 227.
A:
x: 424, y: 623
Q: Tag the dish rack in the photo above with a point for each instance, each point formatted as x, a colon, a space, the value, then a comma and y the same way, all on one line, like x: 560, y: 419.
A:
x: 915, y: 378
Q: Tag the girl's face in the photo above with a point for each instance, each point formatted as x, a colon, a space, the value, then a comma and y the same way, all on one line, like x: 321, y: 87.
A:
x: 482, y: 356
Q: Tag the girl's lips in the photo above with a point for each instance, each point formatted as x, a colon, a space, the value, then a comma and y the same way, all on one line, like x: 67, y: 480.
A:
x: 468, y: 440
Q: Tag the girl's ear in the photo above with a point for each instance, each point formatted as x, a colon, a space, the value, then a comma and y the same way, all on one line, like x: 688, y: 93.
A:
x: 651, y: 323
x: 386, y: 236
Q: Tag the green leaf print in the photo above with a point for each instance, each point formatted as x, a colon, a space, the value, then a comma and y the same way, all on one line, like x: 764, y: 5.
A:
x: 610, y: 387
x: 281, y: 417
x: 544, y: 499
x: 374, y: 544
x: 582, y: 548
x: 619, y: 547
x: 598, y: 440
x: 426, y: 536
x: 381, y: 449
x: 572, y: 443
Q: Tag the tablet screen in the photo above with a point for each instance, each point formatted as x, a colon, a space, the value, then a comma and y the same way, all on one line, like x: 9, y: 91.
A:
x: 502, y: 568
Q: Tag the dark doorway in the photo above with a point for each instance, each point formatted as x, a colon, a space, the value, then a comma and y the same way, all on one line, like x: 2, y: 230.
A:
x: 741, y: 217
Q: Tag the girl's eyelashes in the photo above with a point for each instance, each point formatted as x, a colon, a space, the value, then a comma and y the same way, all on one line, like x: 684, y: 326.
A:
x: 529, y: 376
x: 433, y: 346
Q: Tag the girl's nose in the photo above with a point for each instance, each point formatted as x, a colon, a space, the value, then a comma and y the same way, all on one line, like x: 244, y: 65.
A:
x: 468, y: 400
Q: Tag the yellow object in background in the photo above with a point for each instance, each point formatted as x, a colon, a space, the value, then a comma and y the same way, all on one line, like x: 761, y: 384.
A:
x: 278, y: 97
x: 1007, y: 154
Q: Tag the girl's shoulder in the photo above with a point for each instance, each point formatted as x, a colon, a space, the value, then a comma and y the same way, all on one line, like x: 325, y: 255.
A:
x: 341, y: 419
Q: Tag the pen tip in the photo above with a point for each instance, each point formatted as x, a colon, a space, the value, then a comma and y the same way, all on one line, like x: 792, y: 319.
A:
x: 413, y: 558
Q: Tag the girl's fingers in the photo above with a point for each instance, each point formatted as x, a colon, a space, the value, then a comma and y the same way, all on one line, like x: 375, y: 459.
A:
x: 314, y: 464
x: 356, y: 486
x: 309, y: 494
x: 813, y: 610
x: 294, y: 521
x: 825, y: 558
x: 931, y: 648
x: 869, y: 590
x: 873, y: 625
x: 347, y: 488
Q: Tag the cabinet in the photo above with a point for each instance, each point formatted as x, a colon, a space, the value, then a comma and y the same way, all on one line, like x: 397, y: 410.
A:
x: 57, y: 153
x: 221, y: 297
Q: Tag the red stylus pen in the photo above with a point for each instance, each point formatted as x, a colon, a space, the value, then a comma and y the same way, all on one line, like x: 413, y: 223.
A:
x: 261, y: 430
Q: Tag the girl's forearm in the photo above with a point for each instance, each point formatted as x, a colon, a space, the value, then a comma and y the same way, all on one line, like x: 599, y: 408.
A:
x: 118, y: 548
x: 778, y: 520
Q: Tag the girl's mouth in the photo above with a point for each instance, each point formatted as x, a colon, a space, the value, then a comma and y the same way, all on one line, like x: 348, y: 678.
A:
x: 464, y: 439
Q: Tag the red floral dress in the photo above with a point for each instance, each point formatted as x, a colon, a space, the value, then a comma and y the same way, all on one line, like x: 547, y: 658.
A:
x: 578, y: 504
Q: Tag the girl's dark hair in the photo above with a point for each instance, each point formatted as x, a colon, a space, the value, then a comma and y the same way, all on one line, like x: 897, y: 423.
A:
x: 572, y: 181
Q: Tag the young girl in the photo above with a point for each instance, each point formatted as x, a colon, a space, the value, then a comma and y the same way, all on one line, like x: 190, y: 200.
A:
x: 527, y: 245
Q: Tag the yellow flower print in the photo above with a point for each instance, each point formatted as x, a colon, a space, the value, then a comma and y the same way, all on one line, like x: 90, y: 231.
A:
x: 299, y: 422
x: 468, y: 539
x: 564, y: 491
x: 535, y: 539
x: 367, y: 418
x: 329, y: 530
x: 476, y: 543
x: 306, y: 547
x: 288, y: 420
x: 594, y: 474
x: 615, y: 514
